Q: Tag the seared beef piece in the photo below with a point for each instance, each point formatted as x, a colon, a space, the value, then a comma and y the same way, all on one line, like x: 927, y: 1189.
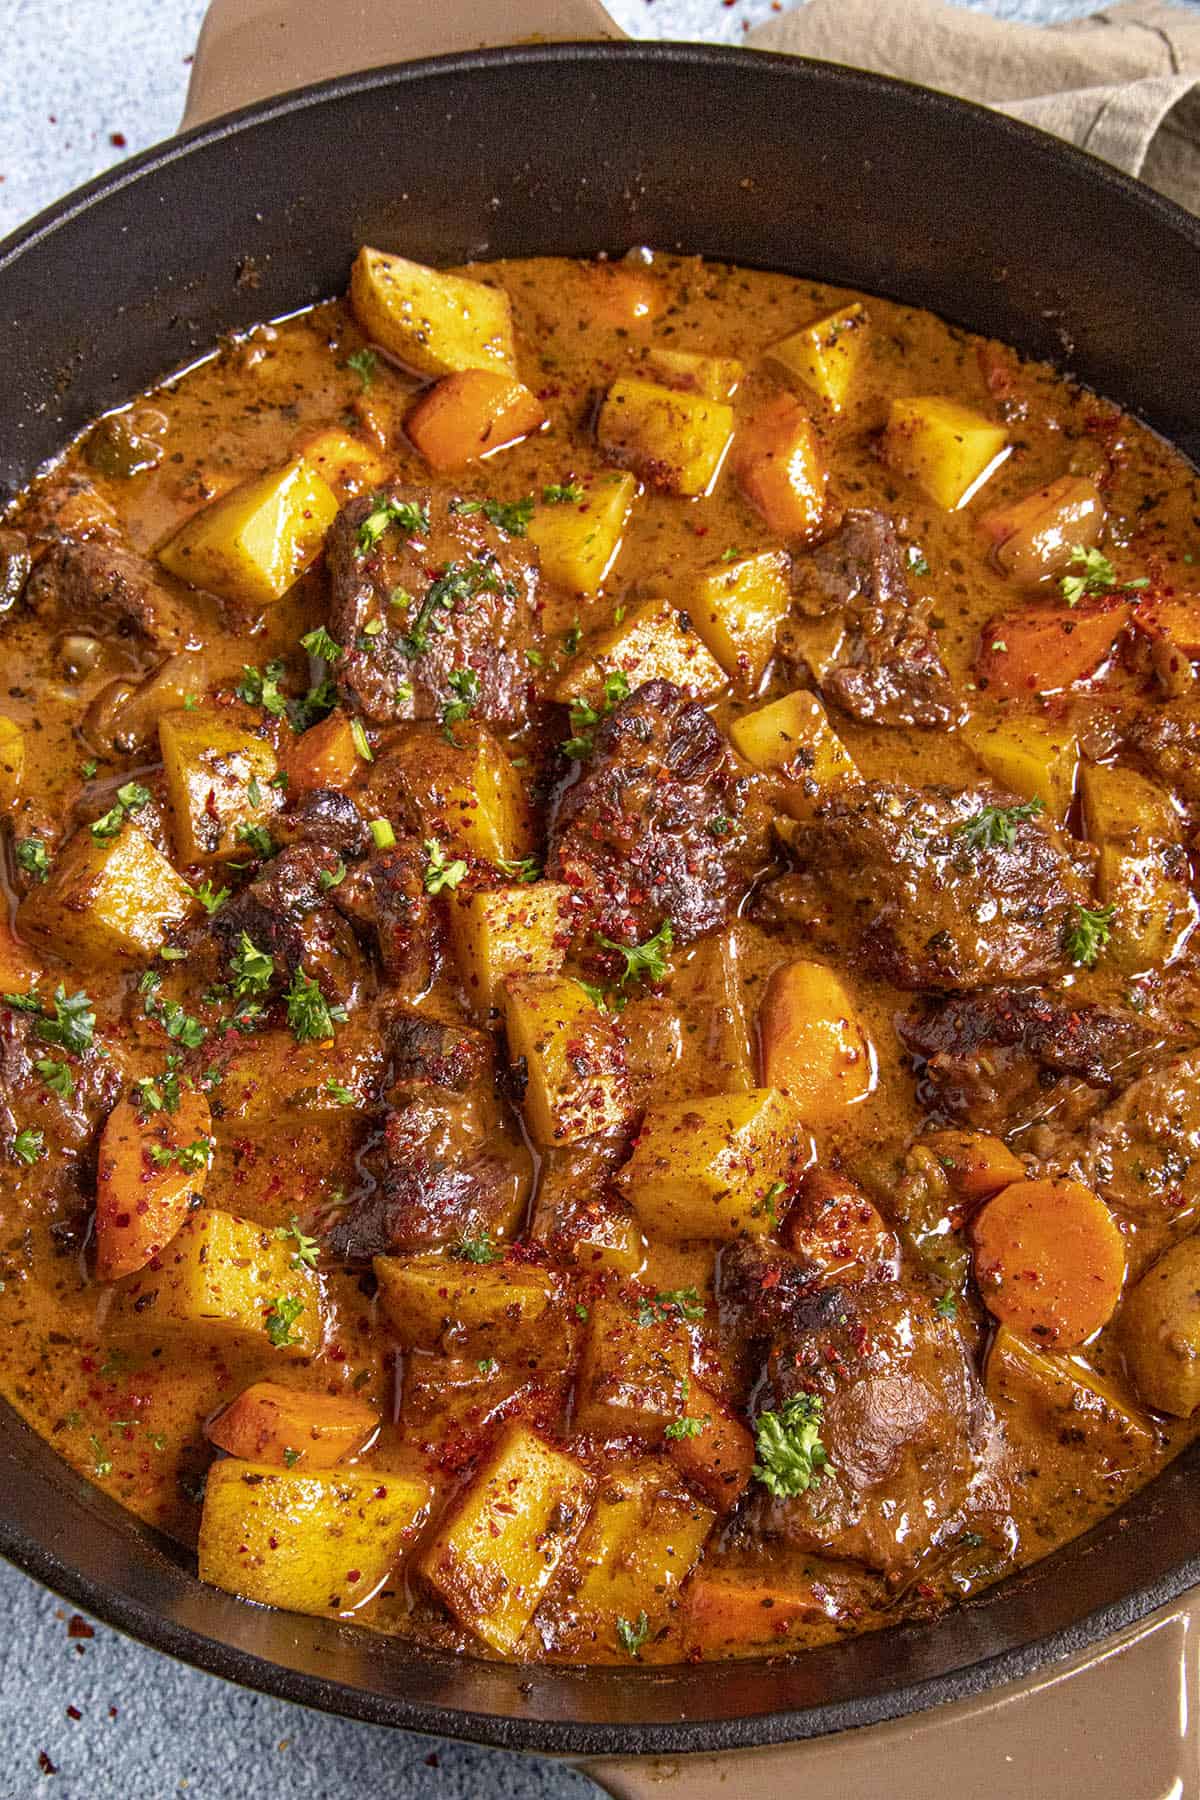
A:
x: 453, y: 1057
x: 905, y: 1424
x: 327, y: 817
x: 993, y: 1060
x: 664, y: 823
x: 576, y: 1212
x: 889, y: 669
x: 98, y: 584
x: 1142, y: 1153
x: 1167, y: 738
x: 26, y: 1100
x: 386, y: 896
x: 471, y: 604
x: 931, y: 908
x: 439, y: 1178
x: 286, y: 913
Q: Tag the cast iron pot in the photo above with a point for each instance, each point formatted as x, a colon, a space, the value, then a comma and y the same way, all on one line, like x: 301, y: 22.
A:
x: 572, y: 149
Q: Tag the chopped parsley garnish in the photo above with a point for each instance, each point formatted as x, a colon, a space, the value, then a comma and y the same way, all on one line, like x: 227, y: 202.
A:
x: 668, y: 1303
x: 313, y: 706
x: 439, y: 873
x: 88, y: 769
x: 584, y: 717
x: 188, y: 1157
x: 282, y: 1314
x: 129, y: 799
x: 631, y: 1636
x: 466, y: 686
x: 260, y: 687
x: 32, y: 857
x: 643, y: 962
x: 995, y: 827
x: 512, y: 516
x: 567, y: 493
x: 57, y: 1076
x: 257, y: 837
x: 946, y: 1305
x: 251, y: 968
x: 1097, y: 577
x: 339, y: 1092
x: 179, y: 1026
x: 291, y: 1457
x: 917, y: 561
x: 1087, y: 932
x: 210, y: 897
x: 101, y: 1463
x: 405, y: 515
x: 572, y: 638
x: 476, y: 1249
x: 307, y: 1248
x: 29, y: 1146
x: 454, y: 586
x: 525, y: 869
x: 319, y: 643
x: 791, y: 1455
x: 159, y: 1093
x: 73, y: 1025
x: 486, y: 1365
x: 382, y: 833
x: 309, y: 1014
x: 685, y: 1428
x: 253, y: 791
x: 363, y: 363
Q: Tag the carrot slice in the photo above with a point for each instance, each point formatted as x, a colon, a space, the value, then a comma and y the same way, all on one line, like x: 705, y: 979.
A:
x: 150, y: 1167
x: 976, y: 1164
x: 1048, y: 648
x: 720, y: 1456
x: 1175, y: 619
x: 780, y: 468
x: 1049, y: 1261
x: 275, y: 1424
x: 466, y: 416
x: 325, y: 756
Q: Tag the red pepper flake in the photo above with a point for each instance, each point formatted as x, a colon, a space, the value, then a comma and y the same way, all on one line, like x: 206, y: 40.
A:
x: 73, y: 1712
x: 78, y: 1627
x: 771, y: 1278
x: 117, y: 139
x: 45, y: 1765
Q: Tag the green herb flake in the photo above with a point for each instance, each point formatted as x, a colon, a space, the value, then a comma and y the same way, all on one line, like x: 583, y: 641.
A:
x: 631, y: 1636
x: 476, y: 1248
x: 405, y: 515
x: 57, y: 1077
x: 363, y: 362
x: 343, y: 1095
x: 1097, y: 575
x: 995, y: 827
x: 643, y: 962
x: 309, y: 1015
x: 281, y: 1315
x: 318, y: 643
x: 211, y: 898
x: 685, y: 1428
x: 32, y: 857
x: 382, y: 833
x: 440, y: 874
x: 567, y: 493
x: 1087, y: 932
x: 791, y: 1456
x: 307, y: 1248
x: 29, y: 1145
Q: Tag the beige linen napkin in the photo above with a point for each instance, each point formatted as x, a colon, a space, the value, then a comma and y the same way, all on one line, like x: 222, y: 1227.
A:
x: 1123, y: 83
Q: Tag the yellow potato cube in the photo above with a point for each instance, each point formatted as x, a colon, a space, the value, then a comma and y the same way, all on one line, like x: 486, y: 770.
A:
x: 947, y: 449
x: 496, y: 1552
x: 520, y: 930
x: 1159, y: 1329
x: 709, y: 990
x: 793, y: 737
x: 1041, y: 1397
x: 710, y: 1168
x: 737, y: 608
x: 1142, y: 870
x: 309, y: 1543
x: 255, y: 541
x: 436, y: 323
x: 643, y: 1539
x: 716, y: 377
x: 106, y: 903
x: 218, y: 779
x: 671, y: 440
x: 825, y: 356
x: 466, y: 790
x: 1029, y: 757
x: 578, y: 541
x: 12, y: 760
x: 345, y: 463
x: 633, y: 1377
x: 475, y: 1309
x: 653, y: 642
x: 223, y: 1277
x: 576, y: 1083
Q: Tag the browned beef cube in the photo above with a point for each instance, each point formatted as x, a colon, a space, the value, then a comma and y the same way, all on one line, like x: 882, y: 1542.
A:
x: 97, y: 584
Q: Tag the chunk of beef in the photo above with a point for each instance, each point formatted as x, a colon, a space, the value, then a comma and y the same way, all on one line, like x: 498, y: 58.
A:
x: 386, y: 896
x: 995, y: 1060
x: 98, y: 583
x: 905, y: 1424
x: 665, y: 822
x: 453, y: 1057
x: 929, y: 904
x: 412, y: 607
x: 285, y: 912
x: 27, y: 1102
x: 1167, y: 739
x: 888, y: 669
x: 325, y: 817
x: 438, y: 1180
x: 1142, y: 1153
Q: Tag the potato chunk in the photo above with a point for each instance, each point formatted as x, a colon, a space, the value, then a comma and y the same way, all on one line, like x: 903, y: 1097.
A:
x: 521, y: 930
x: 106, y: 903
x: 1160, y: 1331
x: 1041, y: 1398
x: 825, y: 356
x: 150, y: 1172
x: 737, y: 608
x: 815, y: 1048
x: 287, y: 1427
x: 634, y: 1373
x: 12, y: 761
x: 1143, y: 867
x: 497, y: 1549
x: 345, y: 463
x: 719, y: 1456
x: 716, y: 377
x: 653, y: 642
x: 578, y: 540
x: 470, y: 415
x: 712, y: 1168
x: 576, y: 1083
x: 947, y: 449
x: 224, y: 1277
x: 480, y: 1309
x: 436, y: 323
x: 1029, y: 757
x: 254, y: 542
x: 709, y: 990
x: 780, y: 468
x: 218, y: 780
x: 306, y: 1542
x: 465, y: 790
x: 793, y: 736
x: 674, y: 441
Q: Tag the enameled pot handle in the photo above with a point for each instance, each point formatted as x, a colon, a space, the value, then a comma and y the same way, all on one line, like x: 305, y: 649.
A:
x: 251, y: 49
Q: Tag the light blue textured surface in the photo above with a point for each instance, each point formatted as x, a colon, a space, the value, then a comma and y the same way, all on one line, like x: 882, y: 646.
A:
x: 72, y: 73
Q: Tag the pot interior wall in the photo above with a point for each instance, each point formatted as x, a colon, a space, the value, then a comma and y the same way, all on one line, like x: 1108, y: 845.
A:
x: 568, y: 150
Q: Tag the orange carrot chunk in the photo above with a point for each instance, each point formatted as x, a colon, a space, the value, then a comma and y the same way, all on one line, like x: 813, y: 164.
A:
x: 1049, y: 648
x: 325, y: 756
x: 270, y: 1423
x: 1049, y: 1261
x: 780, y: 468
x: 469, y: 415
x: 150, y: 1166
